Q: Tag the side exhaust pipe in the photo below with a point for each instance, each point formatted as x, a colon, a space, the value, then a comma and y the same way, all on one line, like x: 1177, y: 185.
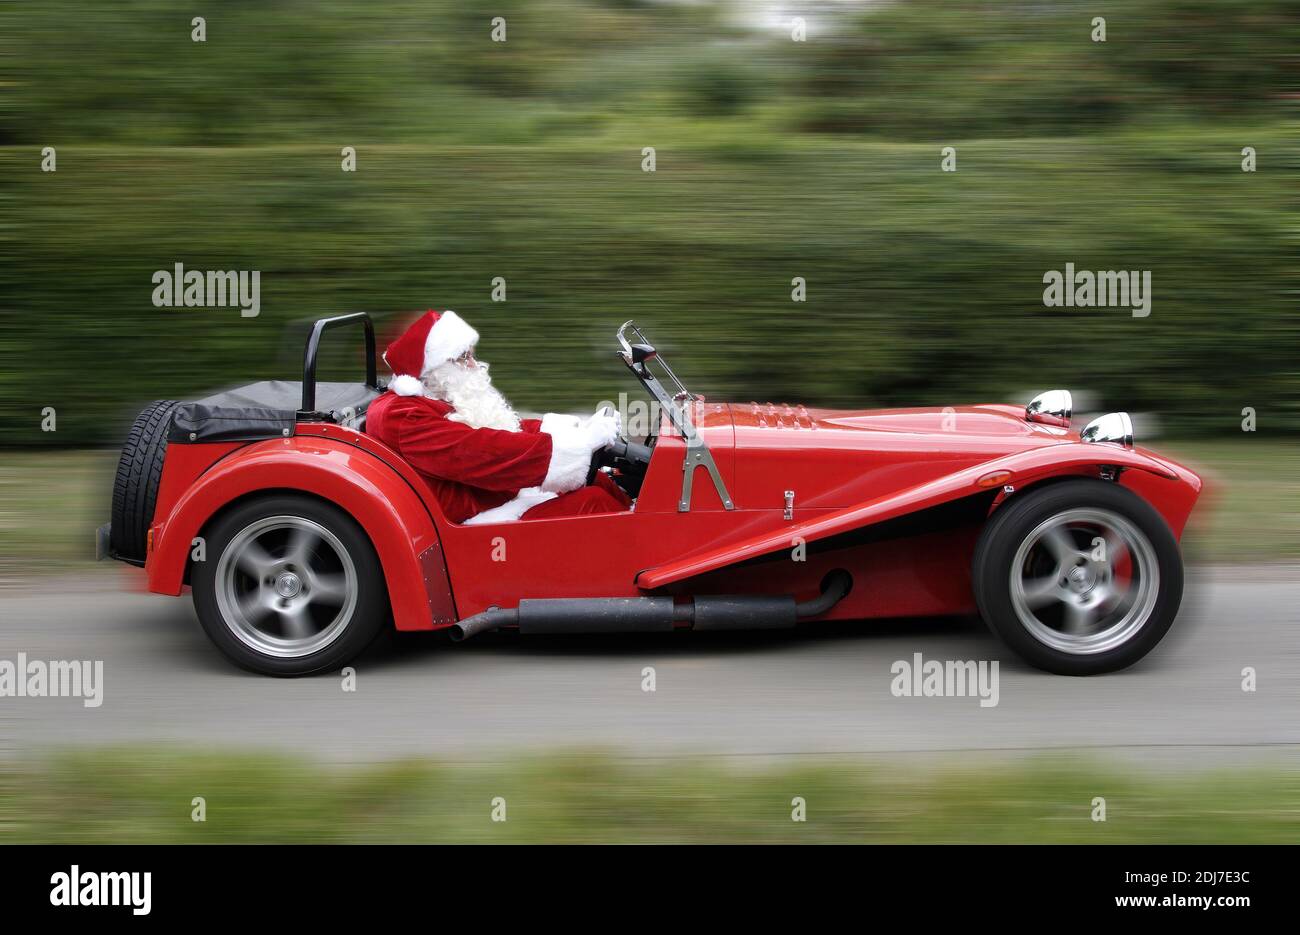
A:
x: 494, y: 618
x: 657, y: 614
x: 835, y: 588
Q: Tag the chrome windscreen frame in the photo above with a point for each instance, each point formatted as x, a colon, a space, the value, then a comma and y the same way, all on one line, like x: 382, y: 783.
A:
x: 678, y: 407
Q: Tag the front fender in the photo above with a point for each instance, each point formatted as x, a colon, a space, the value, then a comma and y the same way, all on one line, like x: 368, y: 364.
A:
x: 1022, y: 468
x: 376, y: 496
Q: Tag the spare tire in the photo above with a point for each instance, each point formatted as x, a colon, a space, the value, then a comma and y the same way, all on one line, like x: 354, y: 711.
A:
x: 135, y: 488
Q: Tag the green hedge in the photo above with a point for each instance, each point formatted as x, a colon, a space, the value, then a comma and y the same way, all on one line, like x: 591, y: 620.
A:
x: 923, y: 287
x: 522, y: 160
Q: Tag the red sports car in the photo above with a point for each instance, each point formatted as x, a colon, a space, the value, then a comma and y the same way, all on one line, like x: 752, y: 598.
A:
x: 301, y: 536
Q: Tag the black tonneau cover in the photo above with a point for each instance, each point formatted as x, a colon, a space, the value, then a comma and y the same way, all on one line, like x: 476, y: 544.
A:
x: 266, y: 410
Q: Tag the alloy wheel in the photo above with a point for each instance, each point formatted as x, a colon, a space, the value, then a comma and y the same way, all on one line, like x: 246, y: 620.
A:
x: 286, y: 586
x: 1084, y: 581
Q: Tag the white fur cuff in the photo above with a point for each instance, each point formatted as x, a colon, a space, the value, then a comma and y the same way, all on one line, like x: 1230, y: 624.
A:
x: 511, y: 510
x: 570, y: 459
x: 406, y: 386
x: 554, y: 422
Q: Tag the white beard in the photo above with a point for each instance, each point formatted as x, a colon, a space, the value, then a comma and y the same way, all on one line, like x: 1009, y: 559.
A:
x: 469, y: 390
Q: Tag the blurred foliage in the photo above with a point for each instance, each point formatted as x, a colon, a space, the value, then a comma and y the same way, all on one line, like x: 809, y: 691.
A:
x: 939, y: 70
x: 396, y: 70
x: 776, y: 159
x: 144, y: 796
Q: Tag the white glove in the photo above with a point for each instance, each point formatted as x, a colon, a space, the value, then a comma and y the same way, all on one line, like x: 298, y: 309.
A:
x: 572, y: 444
x: 609, y: 411
x: 601, y: 430
x: 554, y: 422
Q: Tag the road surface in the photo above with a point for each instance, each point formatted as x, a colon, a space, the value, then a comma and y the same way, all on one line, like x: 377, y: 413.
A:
x: 824, y: 689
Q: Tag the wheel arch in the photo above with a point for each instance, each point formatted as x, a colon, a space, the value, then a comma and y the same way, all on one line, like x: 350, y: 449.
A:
x: 1170, y: 488
x: 389, y: 512
x: 1000, y: 551
x: 250, y: 497
x: 1040, y: 483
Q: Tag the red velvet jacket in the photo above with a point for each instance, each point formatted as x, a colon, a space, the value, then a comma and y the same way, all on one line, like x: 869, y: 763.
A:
x: 470, y: 470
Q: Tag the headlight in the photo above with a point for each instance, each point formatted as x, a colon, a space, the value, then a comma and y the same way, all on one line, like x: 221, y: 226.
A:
x: 1115, y: 427
x: 1051, y: 408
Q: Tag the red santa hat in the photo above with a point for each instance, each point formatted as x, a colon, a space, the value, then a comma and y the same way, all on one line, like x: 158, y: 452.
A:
x: 433, y: 339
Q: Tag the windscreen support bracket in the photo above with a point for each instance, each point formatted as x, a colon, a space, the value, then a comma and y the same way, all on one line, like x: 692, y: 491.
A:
x: 698, y: 455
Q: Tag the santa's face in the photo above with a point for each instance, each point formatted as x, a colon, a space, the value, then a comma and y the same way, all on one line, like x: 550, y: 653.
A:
x: 465, y: 384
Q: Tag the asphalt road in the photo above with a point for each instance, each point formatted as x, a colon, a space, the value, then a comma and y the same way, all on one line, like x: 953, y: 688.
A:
x: 823, y: 689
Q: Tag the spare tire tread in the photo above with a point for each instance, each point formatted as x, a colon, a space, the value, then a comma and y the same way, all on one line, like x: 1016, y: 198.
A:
x: 135, y: 486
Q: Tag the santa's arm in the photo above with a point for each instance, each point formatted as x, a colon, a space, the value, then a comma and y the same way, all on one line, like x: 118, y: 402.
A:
x: 493, y: 459
x: 490, y: 459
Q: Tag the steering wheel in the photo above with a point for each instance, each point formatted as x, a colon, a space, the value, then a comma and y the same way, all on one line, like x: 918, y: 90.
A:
x: 628, y: 457
x: 605, y: 457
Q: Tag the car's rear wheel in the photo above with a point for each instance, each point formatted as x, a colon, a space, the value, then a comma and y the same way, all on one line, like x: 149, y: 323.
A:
x: 1079, y: 577
x: 289, y: 586
x: 135, y: 486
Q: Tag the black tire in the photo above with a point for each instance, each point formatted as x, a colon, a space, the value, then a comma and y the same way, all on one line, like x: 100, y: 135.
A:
x: 356, y: 628
x: 135, y: 487
x: 1015, y: 521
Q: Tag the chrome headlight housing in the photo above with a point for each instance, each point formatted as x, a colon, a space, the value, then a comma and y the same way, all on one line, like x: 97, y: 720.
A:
x: 1051, y: 408
x: 1113, y: 427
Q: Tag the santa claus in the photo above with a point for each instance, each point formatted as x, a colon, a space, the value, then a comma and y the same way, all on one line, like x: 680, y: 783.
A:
x: 484, y: 463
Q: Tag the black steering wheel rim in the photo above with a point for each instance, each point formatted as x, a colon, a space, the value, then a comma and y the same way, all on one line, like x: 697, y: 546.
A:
x: 605, y: 457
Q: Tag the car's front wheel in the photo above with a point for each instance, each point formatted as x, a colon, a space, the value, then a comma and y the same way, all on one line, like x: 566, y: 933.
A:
x: 289, y: 586
x: 1079, y: 577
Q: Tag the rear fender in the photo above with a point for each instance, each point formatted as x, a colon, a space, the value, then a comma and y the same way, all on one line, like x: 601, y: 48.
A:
x: 1020, y: 469
x: 376, y: 496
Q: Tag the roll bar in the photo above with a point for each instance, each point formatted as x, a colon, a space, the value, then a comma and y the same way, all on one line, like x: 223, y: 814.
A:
x: 313, y: 346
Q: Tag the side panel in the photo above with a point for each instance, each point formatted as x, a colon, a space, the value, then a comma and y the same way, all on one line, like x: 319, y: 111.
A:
x: 580, y: 556
x: 599, y: 556
x: 183, y: 465
x: 384, y: 504
x: 1024, y: 468
x: 916, y: 576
